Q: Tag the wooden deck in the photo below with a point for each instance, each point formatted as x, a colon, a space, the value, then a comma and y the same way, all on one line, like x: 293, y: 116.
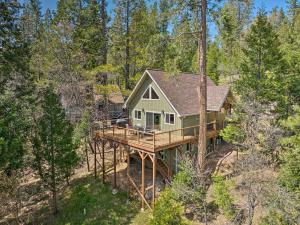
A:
x: 154, y: 141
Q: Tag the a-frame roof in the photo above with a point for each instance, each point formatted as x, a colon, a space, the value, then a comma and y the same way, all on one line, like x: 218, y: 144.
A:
x: 182, y: 92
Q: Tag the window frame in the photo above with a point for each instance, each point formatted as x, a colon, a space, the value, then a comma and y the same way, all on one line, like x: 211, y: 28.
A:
x: 150, y: 88
x: 169, y: 123
x: 137, y: 112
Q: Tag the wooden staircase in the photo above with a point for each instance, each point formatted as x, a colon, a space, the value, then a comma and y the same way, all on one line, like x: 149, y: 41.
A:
x: 163, y: 169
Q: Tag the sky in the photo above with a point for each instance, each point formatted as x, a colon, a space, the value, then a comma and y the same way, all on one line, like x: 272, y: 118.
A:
x: 268, y: 5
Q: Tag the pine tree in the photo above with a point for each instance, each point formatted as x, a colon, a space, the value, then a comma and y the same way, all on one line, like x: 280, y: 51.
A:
x: 213, y: 61
x: 54, y: 149
x: 31, y: 20
x: 263, y: 65
x: 15, y: 89
x: 182, y: 50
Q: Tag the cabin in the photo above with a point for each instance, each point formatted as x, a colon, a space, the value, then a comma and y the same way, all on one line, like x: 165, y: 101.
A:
x: 160, y: 103
x: 163, y: 123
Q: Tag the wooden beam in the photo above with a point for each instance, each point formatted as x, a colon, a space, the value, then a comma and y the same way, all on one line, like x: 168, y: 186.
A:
x: 115, y: 166
x: 143, y: 178
x: 103, y: 162
x: 95, y: 160
x: 137, y: 189
x: 153, y: 179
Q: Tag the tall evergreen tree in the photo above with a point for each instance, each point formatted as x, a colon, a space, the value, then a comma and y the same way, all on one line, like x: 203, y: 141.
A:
x: 15, y: 88
x: 213, y: 61
x: 31, y: 20
x: 54, y: 149
x: 262, y: 55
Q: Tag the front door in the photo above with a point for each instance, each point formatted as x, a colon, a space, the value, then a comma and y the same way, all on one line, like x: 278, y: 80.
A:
x: 152, y: 121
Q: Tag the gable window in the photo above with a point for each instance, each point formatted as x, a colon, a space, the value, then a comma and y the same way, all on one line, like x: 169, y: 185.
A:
x: 169, y: 118
x: 153, y: 94
x: 150, y: 94
x: 146, y: 94
x: 138, y: 114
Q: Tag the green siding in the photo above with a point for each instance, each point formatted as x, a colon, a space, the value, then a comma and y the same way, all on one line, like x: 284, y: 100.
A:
x: 156, y: 106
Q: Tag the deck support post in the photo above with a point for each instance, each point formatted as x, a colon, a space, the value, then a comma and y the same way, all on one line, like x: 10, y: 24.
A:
x: 95, y: 159
x: 153, y: 180
x: 115, y: 166
x: 171, y: 163
x: 103, y: 162
x: 128, y: 166
x: 143, y: 179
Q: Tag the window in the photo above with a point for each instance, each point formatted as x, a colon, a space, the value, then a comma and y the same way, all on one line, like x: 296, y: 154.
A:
x: 138, y: 114
x: 170, y: 118
x: 153, y: 94
x: 150, y: 94
x: 146, y: 94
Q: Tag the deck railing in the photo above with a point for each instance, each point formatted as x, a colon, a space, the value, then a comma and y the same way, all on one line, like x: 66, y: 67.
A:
x: 152, y: 139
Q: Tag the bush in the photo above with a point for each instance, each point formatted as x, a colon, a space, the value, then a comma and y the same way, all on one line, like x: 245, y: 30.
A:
x: 167, y: 210
x: 222, y: 196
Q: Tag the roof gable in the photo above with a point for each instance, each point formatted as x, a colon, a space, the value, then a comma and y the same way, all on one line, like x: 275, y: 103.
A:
x: 182, y: 93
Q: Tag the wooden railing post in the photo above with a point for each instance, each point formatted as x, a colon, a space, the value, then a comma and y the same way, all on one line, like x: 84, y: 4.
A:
x: 215, y: 125
x: 113, y: 130
x: 125, y: 133
x: 153, y: 139
x: 138, y: 133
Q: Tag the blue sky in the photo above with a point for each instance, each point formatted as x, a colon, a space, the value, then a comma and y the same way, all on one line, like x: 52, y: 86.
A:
x: 268, y: 5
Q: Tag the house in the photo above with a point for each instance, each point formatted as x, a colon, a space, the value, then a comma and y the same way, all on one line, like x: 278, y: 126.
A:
x: 160, y: 102
x: 164, y: 122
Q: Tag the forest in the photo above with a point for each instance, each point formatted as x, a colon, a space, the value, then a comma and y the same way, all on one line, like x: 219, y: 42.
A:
x: 50, y: 65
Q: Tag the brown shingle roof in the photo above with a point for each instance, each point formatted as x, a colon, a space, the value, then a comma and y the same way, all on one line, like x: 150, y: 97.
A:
x: 181, y: 90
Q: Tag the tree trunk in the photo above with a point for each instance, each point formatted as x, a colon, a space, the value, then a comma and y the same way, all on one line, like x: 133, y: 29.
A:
x: 53, y: 178
x: 86, y: 154
x: 202, y: 91
x: 127, y: 46
x: 104, y: 30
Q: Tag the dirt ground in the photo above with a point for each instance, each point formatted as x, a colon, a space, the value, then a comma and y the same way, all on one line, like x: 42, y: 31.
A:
x: 35, y: 198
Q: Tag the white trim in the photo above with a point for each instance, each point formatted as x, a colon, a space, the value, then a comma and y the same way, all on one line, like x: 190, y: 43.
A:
x: 162, y: 93
x: 138, y: 110
x: 153, y: 112
x: 134, y: 89
x: 169, y: 118
x: 148, y: 88
x: 150, y: 94
x: 138, y: 84
x: 157, y: 112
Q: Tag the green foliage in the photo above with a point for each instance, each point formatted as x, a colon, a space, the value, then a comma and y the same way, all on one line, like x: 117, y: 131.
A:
x: 233, y: 134
x: 167, y: 210
x: 89, y: 202
x: 213, y: 61
x: 290, y: 170
x: 222, y: 196
x: 187, y: 186
x: 274, y: 218
x: 53, y: 144
x: 263, y: 66
x: 16, y: 90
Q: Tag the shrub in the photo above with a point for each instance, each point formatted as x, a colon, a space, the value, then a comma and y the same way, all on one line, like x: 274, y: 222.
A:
x: 222, y: 196
x: 167, y: 210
